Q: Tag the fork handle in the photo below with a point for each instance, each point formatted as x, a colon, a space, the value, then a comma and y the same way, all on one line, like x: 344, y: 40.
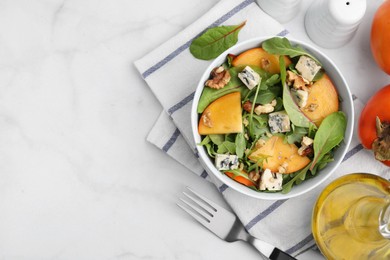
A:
x: 268, y: 250
x: 278, y: 254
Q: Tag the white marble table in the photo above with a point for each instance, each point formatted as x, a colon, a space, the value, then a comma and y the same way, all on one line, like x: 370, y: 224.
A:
x: 77, y: 178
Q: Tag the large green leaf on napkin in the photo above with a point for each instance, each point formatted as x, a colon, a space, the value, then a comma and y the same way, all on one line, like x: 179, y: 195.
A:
x: 215, y: 41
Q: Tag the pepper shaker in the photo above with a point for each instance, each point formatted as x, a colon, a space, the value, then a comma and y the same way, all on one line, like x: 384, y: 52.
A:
x: 281, y: 10
x: 332, y: 23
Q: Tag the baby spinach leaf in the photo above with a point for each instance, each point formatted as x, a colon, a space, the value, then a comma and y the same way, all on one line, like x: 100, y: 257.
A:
x: 217, y: 139
x: 292, y: 68
x: 208, y: 144
x: 297, y: 178
x: 227, y: 147
x: 296, y: 135
x: 210, y: 150
x: 205, y: 140
x: 279, y: 104
x: 312, y: 131
x: 277, y: 90
x: 329, y: 135
x: 267, y: 93
x: 294, y: 113
x: 253, y: 167
x: 215, y: 41
x: 327, y: 158
x: 259, y: 126
x: 263, y: 74
x: 209, y: 94
x: 240, y: 145
x: 230, y: 137
x: 250, y: 126
x: 273, y: 80
x: 263, y: 97
x: 282, y: 46
x: 263, y: 86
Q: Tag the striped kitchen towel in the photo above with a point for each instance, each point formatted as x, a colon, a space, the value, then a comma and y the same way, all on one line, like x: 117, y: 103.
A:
x: 172, y: 73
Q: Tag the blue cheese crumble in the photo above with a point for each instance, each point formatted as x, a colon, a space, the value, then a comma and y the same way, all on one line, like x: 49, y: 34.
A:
x: 270, y: 180
x: 307, y: 67
x: 300, y: 97
x: 279, y: 122
x: 225, y: 162
x: 249, y: 77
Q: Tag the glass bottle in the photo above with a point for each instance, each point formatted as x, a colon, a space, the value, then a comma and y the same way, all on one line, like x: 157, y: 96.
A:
x: 351, y: 218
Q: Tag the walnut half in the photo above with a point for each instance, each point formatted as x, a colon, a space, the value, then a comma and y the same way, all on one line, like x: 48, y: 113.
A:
x: 297, y: 81
x: 219, y: 77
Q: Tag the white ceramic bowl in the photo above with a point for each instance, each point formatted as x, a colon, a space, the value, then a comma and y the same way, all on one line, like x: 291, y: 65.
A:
x: 346, y: 106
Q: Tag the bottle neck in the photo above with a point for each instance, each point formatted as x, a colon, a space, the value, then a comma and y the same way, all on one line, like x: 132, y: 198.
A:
x: 368, y: 219
x: 384, y: 221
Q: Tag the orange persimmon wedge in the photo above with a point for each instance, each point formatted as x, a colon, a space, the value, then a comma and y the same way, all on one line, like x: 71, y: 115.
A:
x: 275, y: 152
x: 322, y: 100
x: 222, y: 116
x: 241, y: 179
x: 260, y: 58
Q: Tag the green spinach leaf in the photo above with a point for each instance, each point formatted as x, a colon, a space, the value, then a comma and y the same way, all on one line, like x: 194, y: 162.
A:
x: 327, y: 158
x: 312, y: 131
x: 329, y: 135
x: 297, y: 178
x: 230, y: 137
x: 215, y: 41
x: 205, y: 140
x: 277, y: 90
x: 209, y: 94
x: 282, y: 46
x: 263, y: 97
x: 273, y: 80
x: 296, y: 135
x: 227, y: 147
x: 294, y: 113
x: 217, y: 139
x: 210, y: 150
x: 259, y: 126
x: 250, y: 125
x: 240, y: 145
x: 279, y: 104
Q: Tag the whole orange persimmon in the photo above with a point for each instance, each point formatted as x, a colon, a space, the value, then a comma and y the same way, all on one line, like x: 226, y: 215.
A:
x: 380, y: 36
x: 374, y: 125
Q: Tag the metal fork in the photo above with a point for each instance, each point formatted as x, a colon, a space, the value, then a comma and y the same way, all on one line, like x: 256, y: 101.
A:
x: 225, y: 224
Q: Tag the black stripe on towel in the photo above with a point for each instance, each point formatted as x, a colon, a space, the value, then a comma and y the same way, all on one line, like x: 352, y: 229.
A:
x: 352, y: 152
x: 181, y: 104
x: 171, y: 140
x: 204, y: 175
x: 223, y: 187
x: 264, y: 213
x: 300, y: 244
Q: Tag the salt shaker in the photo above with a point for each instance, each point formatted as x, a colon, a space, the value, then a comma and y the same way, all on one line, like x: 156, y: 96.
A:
x: 282, y: 10
x: 332, y: 23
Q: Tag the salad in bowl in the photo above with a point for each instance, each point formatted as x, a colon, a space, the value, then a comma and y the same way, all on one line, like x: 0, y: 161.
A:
x: 272, y: 117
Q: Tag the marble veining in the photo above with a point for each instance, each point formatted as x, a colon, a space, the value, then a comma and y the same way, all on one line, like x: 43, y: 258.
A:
x: 78, y: 180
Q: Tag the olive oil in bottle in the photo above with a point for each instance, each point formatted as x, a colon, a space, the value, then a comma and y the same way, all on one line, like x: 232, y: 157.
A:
x: 351, y: 218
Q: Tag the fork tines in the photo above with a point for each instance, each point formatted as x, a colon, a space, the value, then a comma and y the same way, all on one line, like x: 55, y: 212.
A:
x: 199, y: 207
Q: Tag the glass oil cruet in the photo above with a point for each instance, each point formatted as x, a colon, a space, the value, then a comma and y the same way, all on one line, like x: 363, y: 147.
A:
x: 351, y: 218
